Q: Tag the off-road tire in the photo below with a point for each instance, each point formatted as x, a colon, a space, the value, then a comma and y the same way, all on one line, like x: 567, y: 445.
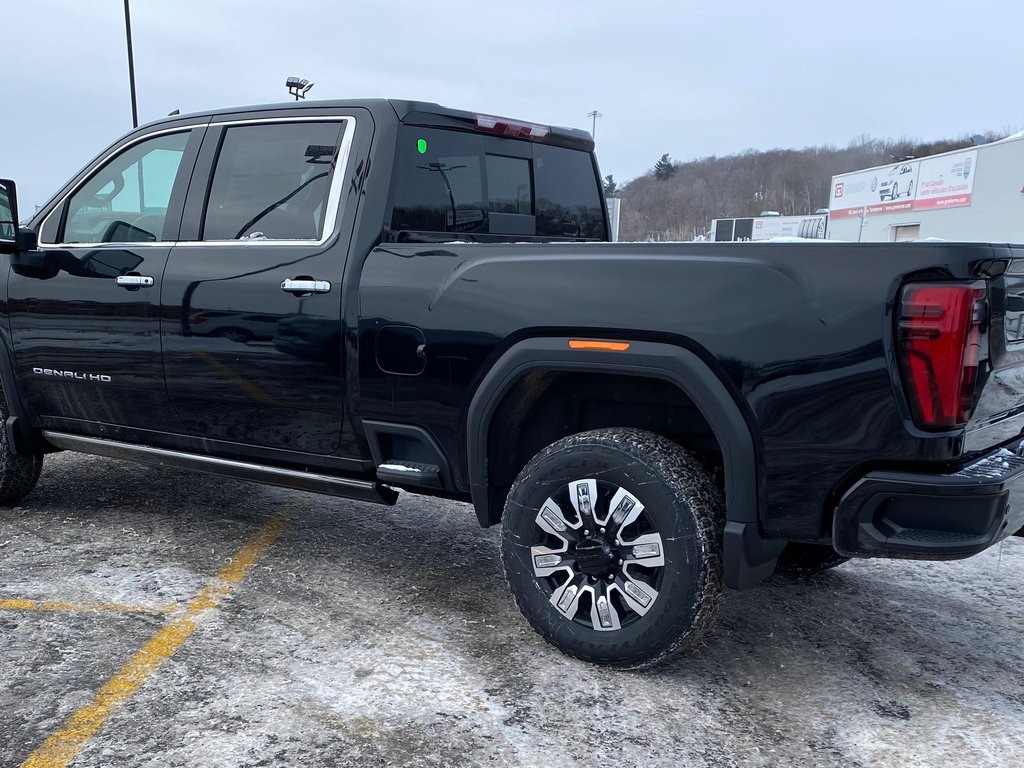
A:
x: 18, y: 474
x: 808, y: 558
x: 682, y: 505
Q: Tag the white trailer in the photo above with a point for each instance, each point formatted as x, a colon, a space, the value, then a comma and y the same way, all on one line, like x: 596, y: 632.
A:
x: 767, y: 227
x: 974, y: 194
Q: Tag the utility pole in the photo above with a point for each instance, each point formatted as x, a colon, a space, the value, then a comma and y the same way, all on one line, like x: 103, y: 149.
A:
x: 594, y: 115
x: 131, y: 63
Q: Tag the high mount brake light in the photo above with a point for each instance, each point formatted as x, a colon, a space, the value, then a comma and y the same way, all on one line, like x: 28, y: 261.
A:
x: 941, y: 340
x: 516, y: 129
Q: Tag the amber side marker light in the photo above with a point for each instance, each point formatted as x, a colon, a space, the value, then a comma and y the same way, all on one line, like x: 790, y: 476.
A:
x: 604, y: 346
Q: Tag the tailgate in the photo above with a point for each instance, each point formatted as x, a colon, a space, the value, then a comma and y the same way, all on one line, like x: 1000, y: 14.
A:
x: 999, y: 414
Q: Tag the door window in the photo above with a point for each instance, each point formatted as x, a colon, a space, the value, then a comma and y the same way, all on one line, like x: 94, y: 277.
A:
x: 126, y: 200
x: 271, y: 182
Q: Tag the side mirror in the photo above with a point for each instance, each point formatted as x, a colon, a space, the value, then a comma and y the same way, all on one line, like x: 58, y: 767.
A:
x: 8, y: 216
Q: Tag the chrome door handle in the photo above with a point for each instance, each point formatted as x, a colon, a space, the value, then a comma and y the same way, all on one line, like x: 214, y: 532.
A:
x: 134, y: 281
x: 305, y: 286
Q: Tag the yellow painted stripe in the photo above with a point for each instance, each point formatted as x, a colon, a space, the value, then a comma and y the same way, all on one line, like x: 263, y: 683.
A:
x: 65, y: 744
x: 59, y: 606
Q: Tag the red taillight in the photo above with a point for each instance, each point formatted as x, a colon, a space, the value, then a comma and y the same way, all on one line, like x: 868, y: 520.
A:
x: 940, y: 336
x: 516, y: 129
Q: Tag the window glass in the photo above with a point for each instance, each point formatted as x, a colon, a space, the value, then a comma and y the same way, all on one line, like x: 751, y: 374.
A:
x: 568, y: 199
x: 7, y: 222
x: 508, y: 185
x: 271, y: 181
x: 440, y: 184
x: 126, y: 200
x: 455, y: 181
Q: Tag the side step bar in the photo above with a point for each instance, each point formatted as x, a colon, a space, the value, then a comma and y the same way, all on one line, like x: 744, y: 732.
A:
x: 362, y: 490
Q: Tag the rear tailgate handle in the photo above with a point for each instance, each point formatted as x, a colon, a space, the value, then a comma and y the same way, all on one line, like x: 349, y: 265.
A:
x: 135, y: 281
x: 305, y: 286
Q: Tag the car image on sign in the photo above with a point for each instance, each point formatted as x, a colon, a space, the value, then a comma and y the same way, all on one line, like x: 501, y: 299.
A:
x: 899, y: 183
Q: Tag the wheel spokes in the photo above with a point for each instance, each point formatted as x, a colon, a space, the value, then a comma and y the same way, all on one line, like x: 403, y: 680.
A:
x: 566, y: 598
x: 624, y: 509
x: 583, y: 496
x: 593, y: 555
x: 603, y: 614
x: 547, y: 561
x: 638, y: 595
x: 552, y: 520
x: 647, y: 550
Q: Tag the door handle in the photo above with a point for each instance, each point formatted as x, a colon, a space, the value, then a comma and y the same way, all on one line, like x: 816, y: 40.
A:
x: 305, y: 286
x: 134, y: 281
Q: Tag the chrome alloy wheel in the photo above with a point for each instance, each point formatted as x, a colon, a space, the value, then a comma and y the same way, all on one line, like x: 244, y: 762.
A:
x: 600, y: 558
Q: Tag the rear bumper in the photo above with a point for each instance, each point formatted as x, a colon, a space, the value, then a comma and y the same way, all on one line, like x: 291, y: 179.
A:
x: 933, y: 516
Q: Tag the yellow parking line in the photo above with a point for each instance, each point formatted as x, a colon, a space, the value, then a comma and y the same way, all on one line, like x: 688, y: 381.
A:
x: 65, y: 744
x: 59, y: 606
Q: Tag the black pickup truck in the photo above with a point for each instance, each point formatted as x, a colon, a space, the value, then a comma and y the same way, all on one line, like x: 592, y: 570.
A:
x: 355, y: 297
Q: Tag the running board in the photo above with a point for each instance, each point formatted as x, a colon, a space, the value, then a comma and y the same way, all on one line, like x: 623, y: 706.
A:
x: 362, y: 490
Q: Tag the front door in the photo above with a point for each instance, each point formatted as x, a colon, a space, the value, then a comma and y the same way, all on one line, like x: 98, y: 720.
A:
x: 252, y: 306
x: 87, y: 340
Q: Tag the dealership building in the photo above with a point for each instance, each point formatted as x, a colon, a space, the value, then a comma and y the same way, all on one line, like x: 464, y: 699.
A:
x: 974, y: 194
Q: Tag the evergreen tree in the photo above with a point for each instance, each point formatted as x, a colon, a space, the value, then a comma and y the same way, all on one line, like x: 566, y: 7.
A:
x: 610, y: 187
x: 664, y: 169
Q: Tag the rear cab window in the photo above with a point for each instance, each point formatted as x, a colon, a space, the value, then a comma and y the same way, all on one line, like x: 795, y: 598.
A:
x: 471, y: 184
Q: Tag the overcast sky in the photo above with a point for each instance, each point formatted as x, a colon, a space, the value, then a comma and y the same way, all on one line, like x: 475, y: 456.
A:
x: 687, y: 78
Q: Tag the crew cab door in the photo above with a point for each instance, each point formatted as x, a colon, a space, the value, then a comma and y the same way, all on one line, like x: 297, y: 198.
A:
x: 87, y: 339
x: 252, y: 293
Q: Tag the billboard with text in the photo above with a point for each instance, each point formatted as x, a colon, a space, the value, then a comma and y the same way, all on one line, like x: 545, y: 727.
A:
x: 943, y: 181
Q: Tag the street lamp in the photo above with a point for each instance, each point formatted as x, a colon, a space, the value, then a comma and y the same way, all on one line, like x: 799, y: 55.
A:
x: 296, y: 87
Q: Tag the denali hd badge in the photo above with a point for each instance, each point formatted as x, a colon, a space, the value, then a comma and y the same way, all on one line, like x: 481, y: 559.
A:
x: 73, y: 375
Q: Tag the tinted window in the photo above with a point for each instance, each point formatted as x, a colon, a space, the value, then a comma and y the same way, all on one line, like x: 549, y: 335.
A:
x: 452, y: 181
x: 271, y: 181
x: 440, y: 188
x: 126, y: 200
x: 568, y: 199
x: 509, y: 188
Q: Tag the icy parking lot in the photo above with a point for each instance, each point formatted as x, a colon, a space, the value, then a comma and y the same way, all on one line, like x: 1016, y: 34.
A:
x: 159, y: 618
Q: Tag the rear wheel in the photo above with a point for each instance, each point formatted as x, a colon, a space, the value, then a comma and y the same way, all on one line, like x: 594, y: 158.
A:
x: 18, y: 474
x: 612, y: 546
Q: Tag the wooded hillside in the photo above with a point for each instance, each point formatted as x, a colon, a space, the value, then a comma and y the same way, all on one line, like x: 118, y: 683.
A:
x: 676, y: 201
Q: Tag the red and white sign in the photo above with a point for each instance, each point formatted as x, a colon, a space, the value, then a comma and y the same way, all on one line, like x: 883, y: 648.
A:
x: 946, y: 181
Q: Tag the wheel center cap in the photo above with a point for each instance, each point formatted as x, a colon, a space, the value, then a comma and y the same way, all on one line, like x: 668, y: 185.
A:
x: 595, y: 556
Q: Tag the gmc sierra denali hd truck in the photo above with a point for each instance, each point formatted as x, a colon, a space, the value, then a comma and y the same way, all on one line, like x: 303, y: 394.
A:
x: 354, y: 297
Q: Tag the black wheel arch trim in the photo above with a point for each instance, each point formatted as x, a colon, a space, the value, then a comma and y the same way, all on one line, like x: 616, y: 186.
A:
x: 22, y: 439
x: 748, y: 557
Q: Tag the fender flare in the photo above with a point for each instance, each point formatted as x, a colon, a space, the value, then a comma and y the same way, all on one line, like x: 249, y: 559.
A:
x: 748, y: 557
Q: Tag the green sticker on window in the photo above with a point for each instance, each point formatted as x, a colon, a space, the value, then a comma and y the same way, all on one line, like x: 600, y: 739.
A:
x: 421, y: 146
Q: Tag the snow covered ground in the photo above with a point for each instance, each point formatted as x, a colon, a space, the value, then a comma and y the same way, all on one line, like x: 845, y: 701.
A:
x: 385, y: 636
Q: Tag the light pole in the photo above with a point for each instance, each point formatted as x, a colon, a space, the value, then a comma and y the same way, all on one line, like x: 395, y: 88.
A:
x: 131, y: 63
x: 298, y: 87
x: 593, y: 124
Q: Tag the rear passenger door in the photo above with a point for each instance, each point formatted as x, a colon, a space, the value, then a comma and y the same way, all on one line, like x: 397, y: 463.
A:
x: 252, y: 293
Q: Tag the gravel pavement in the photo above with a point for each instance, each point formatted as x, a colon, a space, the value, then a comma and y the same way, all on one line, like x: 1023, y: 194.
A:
x: 368, y: 635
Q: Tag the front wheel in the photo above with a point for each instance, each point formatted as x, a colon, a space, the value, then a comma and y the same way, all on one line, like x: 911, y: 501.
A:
x: 18, y: 473
x: 612, y: 546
